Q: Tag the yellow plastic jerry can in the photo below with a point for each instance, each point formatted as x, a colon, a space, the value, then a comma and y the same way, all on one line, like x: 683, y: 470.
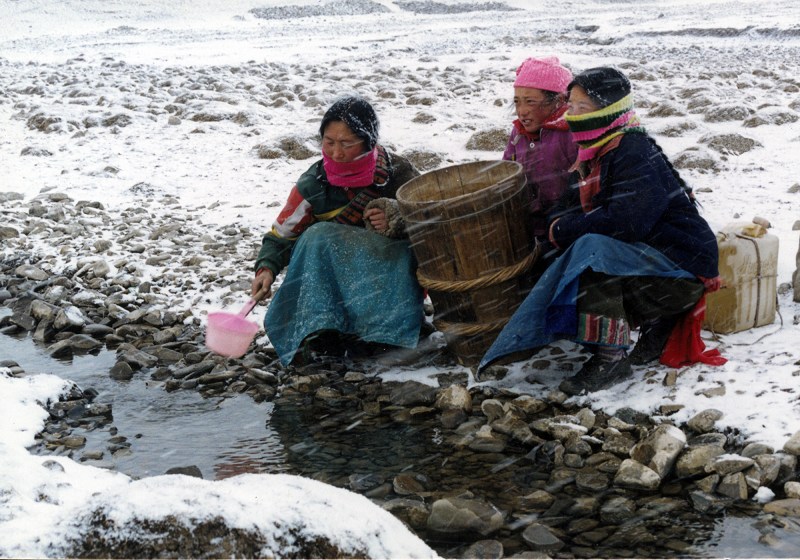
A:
x: 748, y: 264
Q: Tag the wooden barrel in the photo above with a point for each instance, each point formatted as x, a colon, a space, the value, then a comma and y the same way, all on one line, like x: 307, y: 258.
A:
x: 468, y: 229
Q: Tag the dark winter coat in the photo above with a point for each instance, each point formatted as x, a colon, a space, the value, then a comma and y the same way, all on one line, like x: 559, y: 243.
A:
x: 640, y: 199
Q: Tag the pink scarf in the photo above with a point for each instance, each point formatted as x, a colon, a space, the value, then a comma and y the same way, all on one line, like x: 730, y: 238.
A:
x: 354, y: 174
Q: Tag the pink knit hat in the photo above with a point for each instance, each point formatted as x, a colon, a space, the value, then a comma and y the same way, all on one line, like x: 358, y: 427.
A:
x: 543, y: 73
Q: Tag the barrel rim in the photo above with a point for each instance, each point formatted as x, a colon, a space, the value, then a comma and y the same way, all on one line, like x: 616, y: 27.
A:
x: 511, y: 186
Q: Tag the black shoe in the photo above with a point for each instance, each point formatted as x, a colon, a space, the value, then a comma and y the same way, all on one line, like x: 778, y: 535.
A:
x: 596, y: 375
x: 652, y: 339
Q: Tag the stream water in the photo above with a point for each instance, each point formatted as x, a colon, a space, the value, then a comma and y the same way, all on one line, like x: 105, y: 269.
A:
x: 225, y: 437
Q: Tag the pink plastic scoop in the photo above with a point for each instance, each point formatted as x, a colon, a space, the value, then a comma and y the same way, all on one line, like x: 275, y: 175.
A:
x: 230, y: 334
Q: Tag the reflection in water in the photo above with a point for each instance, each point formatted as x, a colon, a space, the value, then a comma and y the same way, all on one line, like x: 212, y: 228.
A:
x: 734, y: 538
x: 161, y: 430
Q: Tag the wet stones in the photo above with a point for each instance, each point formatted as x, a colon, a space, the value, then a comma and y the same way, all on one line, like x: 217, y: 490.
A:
x: 636, y: 476
x: 541, y: 538
x: 463, y: 515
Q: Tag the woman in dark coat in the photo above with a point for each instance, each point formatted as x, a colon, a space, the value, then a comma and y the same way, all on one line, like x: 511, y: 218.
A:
x: 636, y: 250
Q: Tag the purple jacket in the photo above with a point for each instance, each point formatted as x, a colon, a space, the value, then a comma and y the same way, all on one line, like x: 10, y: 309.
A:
x: 546, y: 163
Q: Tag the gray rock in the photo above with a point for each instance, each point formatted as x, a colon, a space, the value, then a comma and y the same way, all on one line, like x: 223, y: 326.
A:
x: 73, y: 442
x: 586, y: 418
x: 60, y: 349
x: 459, y: 515
x: 709, y: 483
x: 619, y: 424
x: 734, y: 486
x: 413, y: 512
x: 788, y: 467
x: 194, y: 370
x: 492, y: 409
x: 165, y: 355
x: 792, y: 489
x: 70, y: 317
x: 44, y: 332
x: 221, y: 377
x: 713, y: 438
x: 769, y: 468
x: 7, y: 232
x: 708, y: 503
x: 619, y: 444
x: 121, y: 371
x: 704, y: 421
x: 413, y: 393
x: 83, y: 343
x: 484, y: 441
x: 364, y: 482
x: 484, y: 549
x: 136, y: 358
x: 540, y: 537
x: 408, y: 484
x: 617, y: 510
x: 659, y: 450
x: 634, y: 475
x: 97, y: 330
x: 538, y: 500
x: 454, y: 397
x: 192, y: 470
x: 754, y: 449
x: 792, y: 445
x: 92, y: 456
x: 591, y: 481
x: 43, y: 311
x: 693, y: 461
x: 516, y: 429
x: 31, y: 272
x: 529, y: 405
x: 728, y: 463
x: 789, y: 507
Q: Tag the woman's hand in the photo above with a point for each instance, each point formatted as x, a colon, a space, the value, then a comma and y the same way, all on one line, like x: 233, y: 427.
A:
x: 376, y: 218
x: 261, y: 286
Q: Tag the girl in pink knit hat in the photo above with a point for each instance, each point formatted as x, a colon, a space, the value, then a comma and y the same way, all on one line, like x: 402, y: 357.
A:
x: 540, y: 139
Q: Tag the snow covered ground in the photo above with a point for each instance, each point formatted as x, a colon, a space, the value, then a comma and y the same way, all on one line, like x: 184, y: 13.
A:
x: 208, y: 102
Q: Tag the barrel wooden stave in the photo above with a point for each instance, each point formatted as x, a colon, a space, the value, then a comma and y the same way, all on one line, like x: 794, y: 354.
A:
x: 466, y: 222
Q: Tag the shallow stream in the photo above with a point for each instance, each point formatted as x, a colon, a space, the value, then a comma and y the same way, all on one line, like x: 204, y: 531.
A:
x: 228, y: 436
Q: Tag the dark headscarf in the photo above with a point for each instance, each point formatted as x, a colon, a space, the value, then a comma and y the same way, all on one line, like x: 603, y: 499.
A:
x: 604, y: 85
x: 358, y: 115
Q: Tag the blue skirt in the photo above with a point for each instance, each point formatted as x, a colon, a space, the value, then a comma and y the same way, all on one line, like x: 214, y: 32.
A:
x: 350, y: 280
x: 549, y: 312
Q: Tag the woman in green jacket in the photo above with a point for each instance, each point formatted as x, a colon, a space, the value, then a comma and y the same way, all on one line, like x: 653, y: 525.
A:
x: 350, y: 269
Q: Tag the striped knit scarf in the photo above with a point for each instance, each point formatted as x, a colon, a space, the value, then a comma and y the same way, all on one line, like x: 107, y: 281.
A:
x: 593, y: 130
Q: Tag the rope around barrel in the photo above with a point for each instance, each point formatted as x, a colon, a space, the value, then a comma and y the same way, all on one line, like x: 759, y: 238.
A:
x: 497, y: 277
x: 468, y: 329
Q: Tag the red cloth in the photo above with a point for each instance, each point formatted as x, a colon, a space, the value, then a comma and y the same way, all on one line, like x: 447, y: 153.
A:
x: 685, y: 347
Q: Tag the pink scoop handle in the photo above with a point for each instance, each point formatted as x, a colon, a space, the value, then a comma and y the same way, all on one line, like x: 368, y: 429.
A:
x: 248, y: 307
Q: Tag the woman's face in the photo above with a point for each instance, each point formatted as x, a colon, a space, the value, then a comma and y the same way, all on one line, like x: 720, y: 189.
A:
x: 340, y: 143
x: 580, y: 103
x: 533, y: 107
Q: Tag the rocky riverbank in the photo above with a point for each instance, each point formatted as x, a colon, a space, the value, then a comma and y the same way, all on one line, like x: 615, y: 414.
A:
x: 506, y: 475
